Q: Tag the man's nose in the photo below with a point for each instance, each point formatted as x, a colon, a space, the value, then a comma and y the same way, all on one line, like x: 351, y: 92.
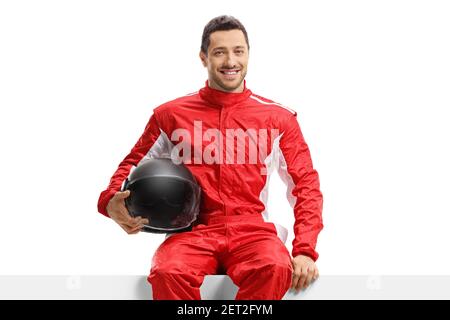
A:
x: 230, y: 61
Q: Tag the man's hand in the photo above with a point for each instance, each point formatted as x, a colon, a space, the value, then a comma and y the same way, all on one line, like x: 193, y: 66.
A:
x: 305, y: 271
x: 118, y: 212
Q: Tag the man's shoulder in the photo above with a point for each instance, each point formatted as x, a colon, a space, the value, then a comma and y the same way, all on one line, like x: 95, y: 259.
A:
x: 272, y: 105
x: 177, y: 102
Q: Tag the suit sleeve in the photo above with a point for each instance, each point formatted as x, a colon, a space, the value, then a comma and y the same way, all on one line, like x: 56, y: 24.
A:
x: 148, y: 138
x: 303, y: 192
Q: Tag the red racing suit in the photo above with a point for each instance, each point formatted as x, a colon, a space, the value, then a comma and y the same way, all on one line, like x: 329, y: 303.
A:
x: 234, y: 185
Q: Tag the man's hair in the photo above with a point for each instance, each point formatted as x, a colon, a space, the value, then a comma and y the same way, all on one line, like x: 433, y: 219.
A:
x: 221, y: 23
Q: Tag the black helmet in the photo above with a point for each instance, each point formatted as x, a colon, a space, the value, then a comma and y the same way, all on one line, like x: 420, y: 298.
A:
x: 164, y: 192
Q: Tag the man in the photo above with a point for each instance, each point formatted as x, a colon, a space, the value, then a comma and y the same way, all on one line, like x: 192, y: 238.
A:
x: 233, y: 233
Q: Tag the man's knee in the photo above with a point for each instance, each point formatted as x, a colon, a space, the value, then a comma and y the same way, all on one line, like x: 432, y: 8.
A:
x: 168, y: 270
x: 280, y: 264
x: 277, y: 268
x: 268, y: 272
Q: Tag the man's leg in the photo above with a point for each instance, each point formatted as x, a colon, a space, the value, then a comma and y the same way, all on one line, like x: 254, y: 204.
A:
x: 180, y: 264
x: 258, y: 262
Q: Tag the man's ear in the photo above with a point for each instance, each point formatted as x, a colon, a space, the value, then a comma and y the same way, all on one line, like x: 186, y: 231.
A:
x: 202, y: 56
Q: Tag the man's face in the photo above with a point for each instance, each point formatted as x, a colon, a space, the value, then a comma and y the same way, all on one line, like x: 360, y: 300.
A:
x: 227, y: 60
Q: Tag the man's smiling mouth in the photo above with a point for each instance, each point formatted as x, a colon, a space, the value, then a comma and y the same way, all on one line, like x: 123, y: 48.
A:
x: 230, y: 72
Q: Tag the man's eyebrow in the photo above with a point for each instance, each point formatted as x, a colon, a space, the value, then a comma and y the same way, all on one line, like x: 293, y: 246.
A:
x: 224, y: 48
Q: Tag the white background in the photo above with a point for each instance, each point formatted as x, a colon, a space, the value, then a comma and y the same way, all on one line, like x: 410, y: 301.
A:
x: 370, y: 81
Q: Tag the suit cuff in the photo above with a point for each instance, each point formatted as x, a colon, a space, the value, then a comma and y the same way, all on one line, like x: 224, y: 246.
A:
x: 306, y: 252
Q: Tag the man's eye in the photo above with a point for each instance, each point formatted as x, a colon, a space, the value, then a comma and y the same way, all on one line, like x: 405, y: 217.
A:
x: 240, y: 52
x: 218, y: 53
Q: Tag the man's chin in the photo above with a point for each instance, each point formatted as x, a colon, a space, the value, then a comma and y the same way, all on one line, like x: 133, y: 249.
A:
x: 230, y: 86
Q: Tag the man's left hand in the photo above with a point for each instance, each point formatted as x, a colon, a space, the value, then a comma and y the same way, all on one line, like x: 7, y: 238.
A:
x: 304, y: 272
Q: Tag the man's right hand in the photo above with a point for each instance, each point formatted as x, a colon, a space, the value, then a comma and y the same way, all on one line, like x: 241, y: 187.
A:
x: 118, y: 212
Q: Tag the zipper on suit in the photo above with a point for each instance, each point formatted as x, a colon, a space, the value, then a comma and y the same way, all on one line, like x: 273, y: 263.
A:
x: 221, y: 125
x: 222, y: 149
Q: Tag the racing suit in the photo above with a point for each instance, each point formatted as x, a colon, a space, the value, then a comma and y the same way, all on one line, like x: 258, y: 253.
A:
x: 233, y: 233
